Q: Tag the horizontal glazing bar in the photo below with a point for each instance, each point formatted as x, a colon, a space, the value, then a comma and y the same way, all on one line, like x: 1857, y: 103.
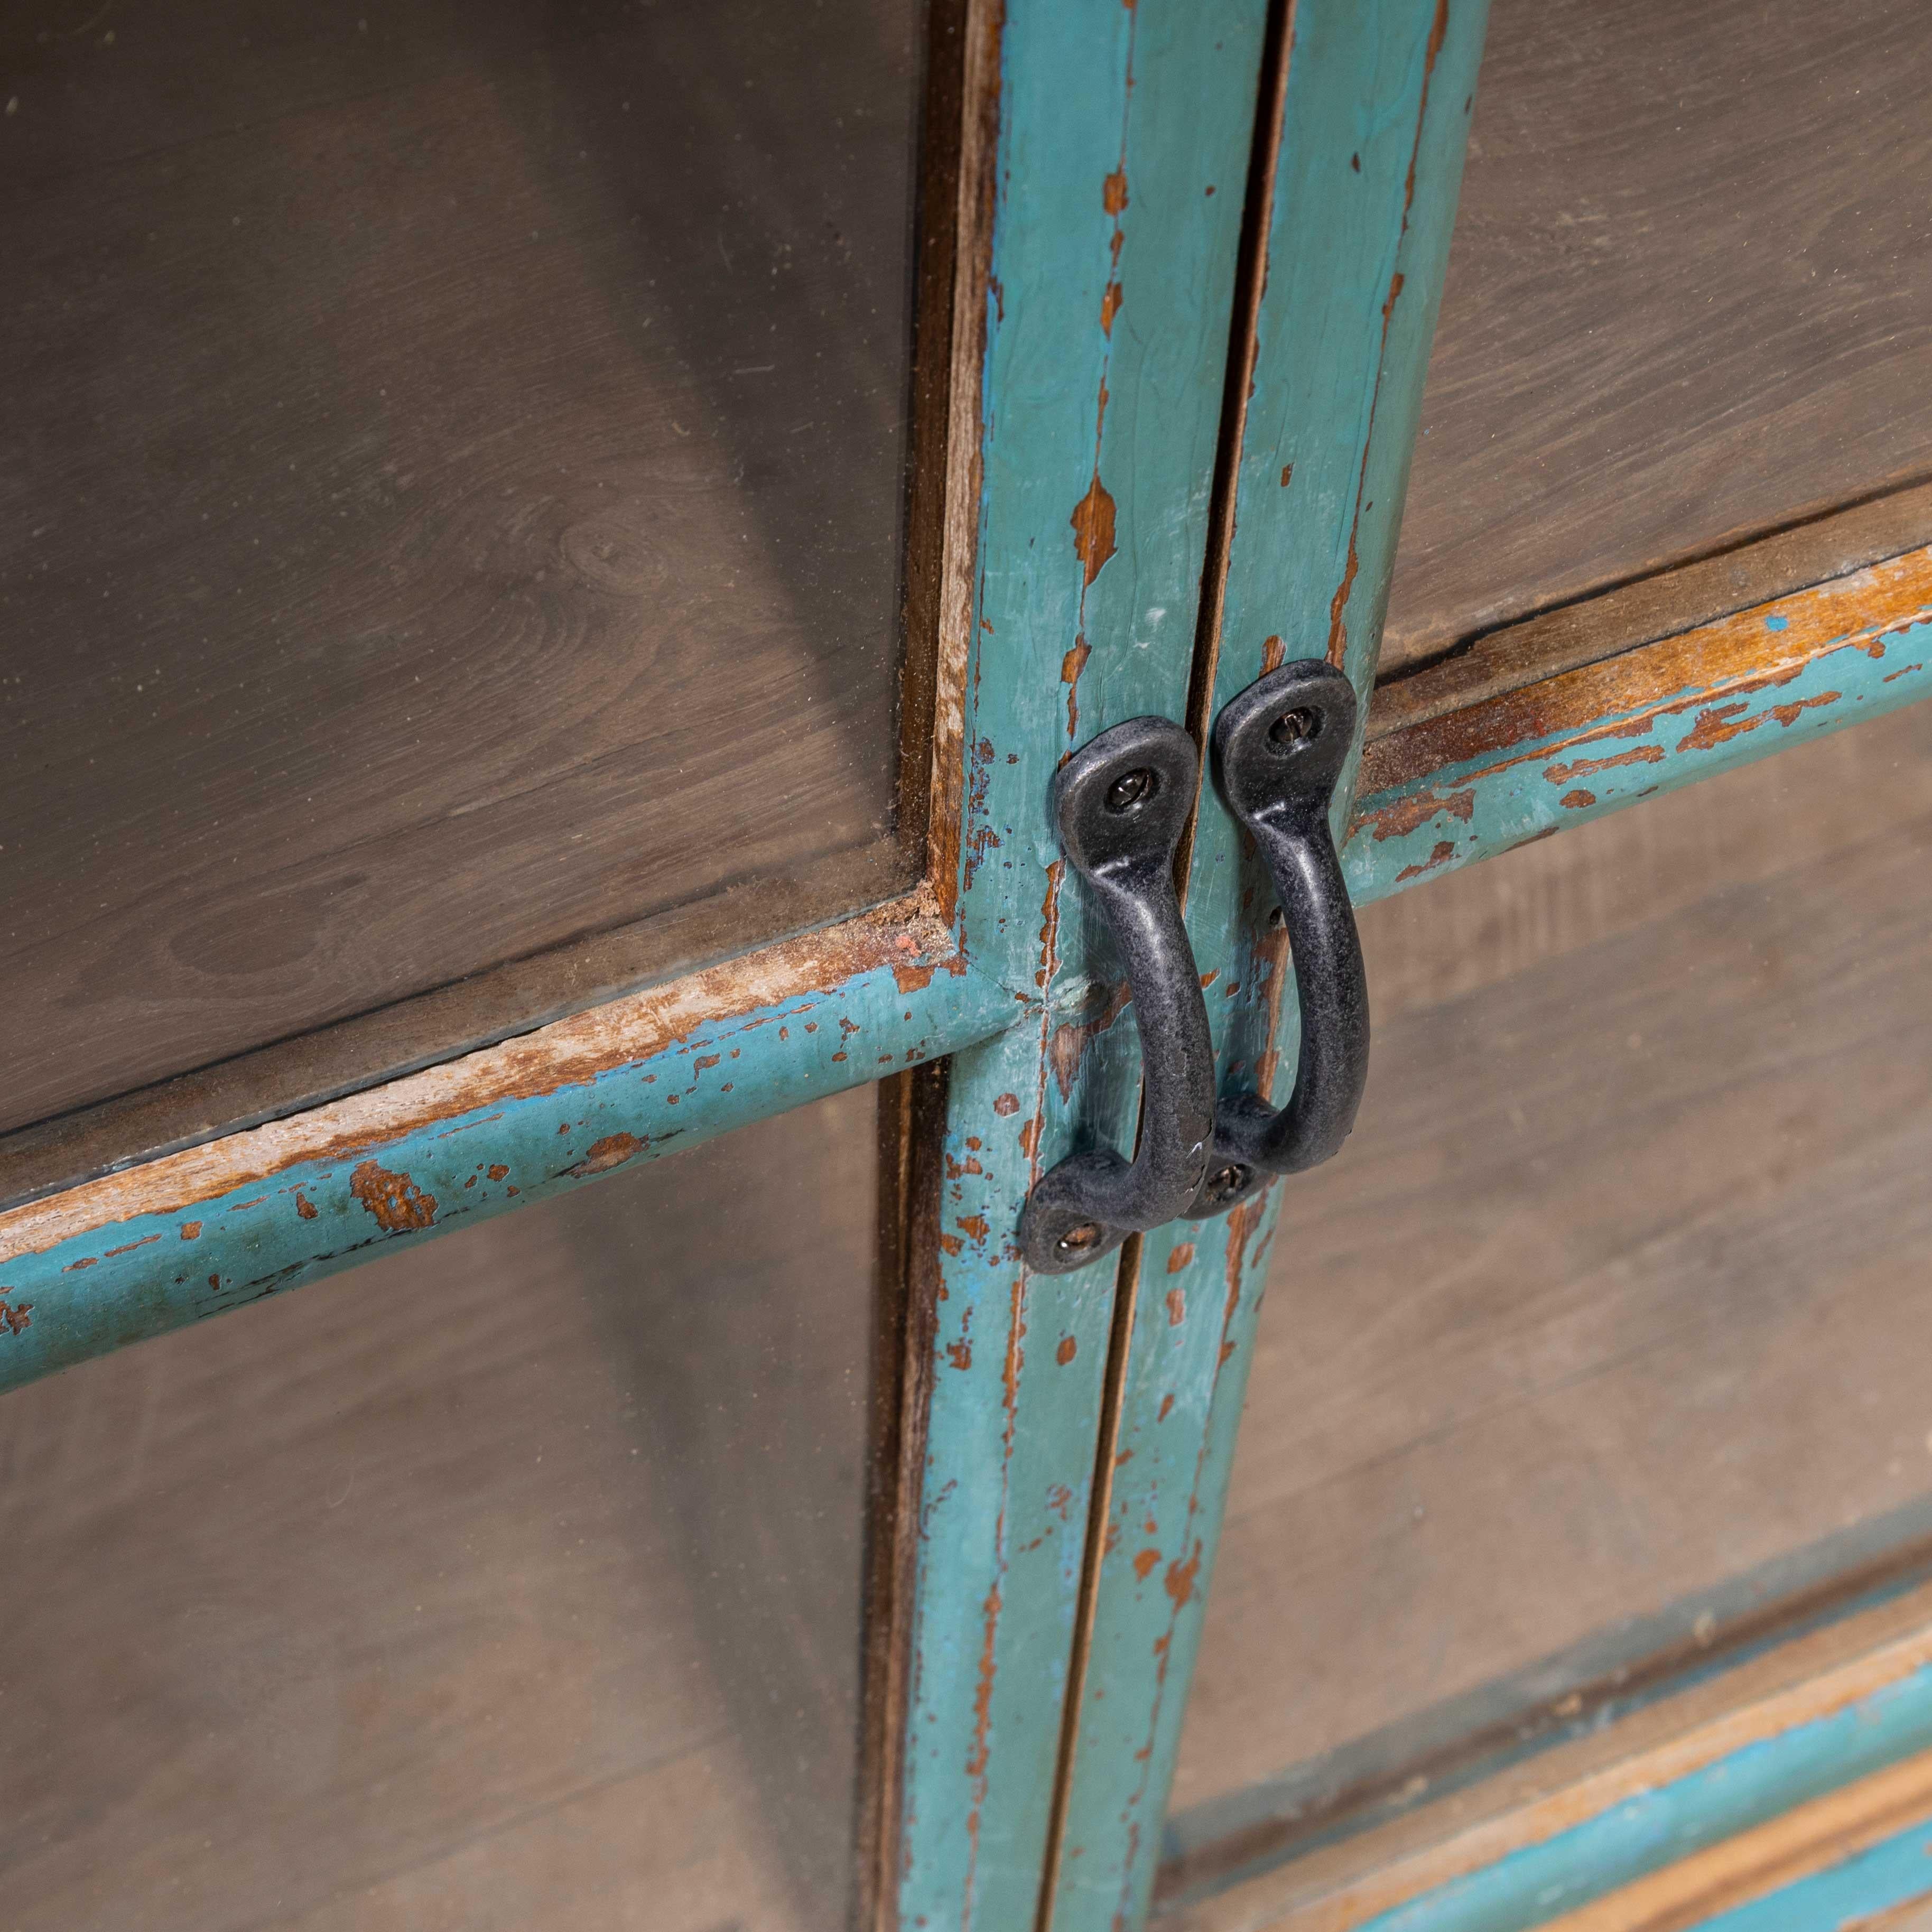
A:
x: 1561, y: 751
x: 214, y: 1227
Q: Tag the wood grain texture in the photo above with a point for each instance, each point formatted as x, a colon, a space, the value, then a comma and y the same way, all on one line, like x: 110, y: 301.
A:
x: 214, y: 1227
x: 1705, y: 1783
x: 1734, y: 1881
x: 1122, y: 141
x: 1374, y: 116
x: 1563, y: 751
x: 1611, y: 1303
x: 1690, y: 598
x: 1690, y: 299
x: 455, y: 469
x: 511, y: 1582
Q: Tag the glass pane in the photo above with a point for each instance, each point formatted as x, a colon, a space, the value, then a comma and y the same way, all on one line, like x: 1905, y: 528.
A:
x: 511, y: 1581
x: 1600, y: 1351
x: 453, y: 460
x: 1689, y: 297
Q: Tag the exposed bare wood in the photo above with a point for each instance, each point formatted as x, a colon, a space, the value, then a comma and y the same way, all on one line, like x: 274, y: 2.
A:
x: 569, y: 1051
x: 1655, y: 607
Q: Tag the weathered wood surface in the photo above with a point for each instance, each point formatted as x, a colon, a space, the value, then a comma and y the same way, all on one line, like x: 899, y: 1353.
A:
x: 511, y: 1582
x: 1374, y: 113
x: 212, y: 1228
x: 1558, y: 751
x: 1762, y: 1778
x: 1613, y: 1300
x: 1123, y: 143
x: 1690, y: 298
x: 453, y: 465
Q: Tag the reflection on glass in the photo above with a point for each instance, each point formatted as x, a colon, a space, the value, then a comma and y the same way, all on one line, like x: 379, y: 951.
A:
x: 511, y: 1581
x: 1601, y: 1350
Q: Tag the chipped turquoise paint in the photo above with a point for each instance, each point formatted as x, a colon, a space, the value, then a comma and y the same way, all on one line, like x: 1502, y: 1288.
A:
x: 1655, y: 1827
x: 1849, y: 1894
x: 1508, y: 797
x: 140, y: 1277
x: 1101, y: 414
x: 1374, y: 124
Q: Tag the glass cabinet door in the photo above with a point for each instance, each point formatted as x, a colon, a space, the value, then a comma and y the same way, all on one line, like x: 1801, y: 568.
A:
x: 561, y: 557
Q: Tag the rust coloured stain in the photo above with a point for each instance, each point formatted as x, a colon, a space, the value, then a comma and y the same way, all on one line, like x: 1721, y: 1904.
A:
x: 146, y: 1240
x: 1110, y: 306
x: 1049, y: 924
x: 190, y: 1231
x: 1114, y: 192
x: 1584, y: 768
x: 1704, y: 670
x: 86, y: 1262
x: 612, y: 1151
x: 1183, y: 1253
x: 1093, y: 521
x: 1444, y: 850
x: 398, y: 1204
x: 1166, y: 1406
x: 1180, y: 1578
x: 960, y: 1353
x: 1402, y: 816
x: 305, y: 1207
x: 1177, y: 1306
x: 16, y: 1315
x: 1071, y: 1038
x: 1070, y: 668
x: 1713, y: 726
x: 1069, y: 1347
x: 1577, y: 800
x: 1007, y: 1104
x: 974, y: 1226
x: 567, y: 1053
x: 1787, y: 714
x: 1143, y: 1563
x: 1274, y: 654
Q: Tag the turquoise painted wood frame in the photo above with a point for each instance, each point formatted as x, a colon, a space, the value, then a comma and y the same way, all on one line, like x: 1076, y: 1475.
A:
x: 1199, y: 247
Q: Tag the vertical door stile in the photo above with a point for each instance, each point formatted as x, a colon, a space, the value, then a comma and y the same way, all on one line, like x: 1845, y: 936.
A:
x: 1375, y: 111
x: 1114, y: 193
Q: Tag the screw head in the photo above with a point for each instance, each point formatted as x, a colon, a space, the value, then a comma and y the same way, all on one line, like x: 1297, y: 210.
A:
x: 1295, y: 728
x: 1080, y: 1239
x: 1131, y: 789
x: 1225, y: 1182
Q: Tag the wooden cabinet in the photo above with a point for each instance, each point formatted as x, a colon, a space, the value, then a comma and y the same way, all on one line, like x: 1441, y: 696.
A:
x: 555, y: 555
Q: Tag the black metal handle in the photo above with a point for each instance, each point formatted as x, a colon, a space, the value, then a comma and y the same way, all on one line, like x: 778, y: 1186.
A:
x: 1121, y: 803
x: 1278, y: 749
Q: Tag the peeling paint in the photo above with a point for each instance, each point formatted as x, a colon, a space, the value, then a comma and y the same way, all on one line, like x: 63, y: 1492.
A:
x: 612, y: 1150
x: 1440, y: 854
x: 395, y: 1201
x: 1093, y: 521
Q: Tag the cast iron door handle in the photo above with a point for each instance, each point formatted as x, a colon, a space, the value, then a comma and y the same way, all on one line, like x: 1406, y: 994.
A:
x: 1121, y: 803
x: 1278, y: 749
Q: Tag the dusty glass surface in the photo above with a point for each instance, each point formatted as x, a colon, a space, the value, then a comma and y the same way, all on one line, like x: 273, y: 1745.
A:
x: 1600, y: 1349
x: 453, y: 466
x: 513, y: 1580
